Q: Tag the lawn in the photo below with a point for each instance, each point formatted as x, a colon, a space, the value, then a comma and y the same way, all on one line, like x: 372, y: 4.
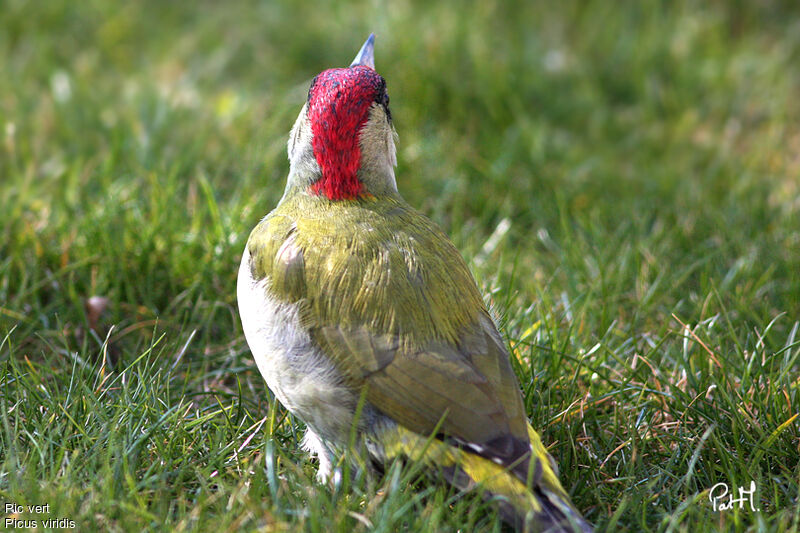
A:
x: 623, y: 180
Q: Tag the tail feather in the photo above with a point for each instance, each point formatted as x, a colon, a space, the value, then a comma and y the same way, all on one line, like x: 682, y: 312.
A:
x: 560, y: 514
x: 542, y: 507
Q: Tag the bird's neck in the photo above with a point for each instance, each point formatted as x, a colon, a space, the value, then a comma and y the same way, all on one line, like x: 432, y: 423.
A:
x: 342, y: 161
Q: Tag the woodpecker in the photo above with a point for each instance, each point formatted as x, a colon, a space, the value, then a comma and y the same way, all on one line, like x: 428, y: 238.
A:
x: 361, y: 314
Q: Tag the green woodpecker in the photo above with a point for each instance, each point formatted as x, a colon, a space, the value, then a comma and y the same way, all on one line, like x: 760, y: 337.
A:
x: 353, y: 302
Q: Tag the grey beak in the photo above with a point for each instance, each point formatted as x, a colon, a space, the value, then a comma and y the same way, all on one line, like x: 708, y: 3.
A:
x: 366, y: 56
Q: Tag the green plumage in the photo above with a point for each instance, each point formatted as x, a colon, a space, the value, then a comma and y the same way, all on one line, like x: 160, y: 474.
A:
x: 360, y: 254
x: 388, y: 297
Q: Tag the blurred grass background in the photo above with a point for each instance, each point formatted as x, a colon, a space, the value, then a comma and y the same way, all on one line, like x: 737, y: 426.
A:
x: 624, y: 180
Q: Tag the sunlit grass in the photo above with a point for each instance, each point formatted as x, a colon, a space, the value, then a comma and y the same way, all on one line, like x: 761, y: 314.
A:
x: 624, y: 181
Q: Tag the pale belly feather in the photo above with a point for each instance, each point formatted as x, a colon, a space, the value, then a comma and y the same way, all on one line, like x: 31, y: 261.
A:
x: 296, y: 371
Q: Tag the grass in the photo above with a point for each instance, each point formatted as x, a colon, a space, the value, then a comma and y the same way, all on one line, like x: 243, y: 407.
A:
x: 624, y: 181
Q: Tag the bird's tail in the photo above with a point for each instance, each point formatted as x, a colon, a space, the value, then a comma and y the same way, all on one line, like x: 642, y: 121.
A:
x: 540, y: 506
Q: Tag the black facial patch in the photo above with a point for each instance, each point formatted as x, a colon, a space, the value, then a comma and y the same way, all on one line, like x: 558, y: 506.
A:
x: 382, y: 98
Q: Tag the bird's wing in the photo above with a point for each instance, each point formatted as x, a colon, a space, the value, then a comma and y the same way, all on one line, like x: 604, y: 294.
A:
x: 468, y: 390
x: 389, y: 299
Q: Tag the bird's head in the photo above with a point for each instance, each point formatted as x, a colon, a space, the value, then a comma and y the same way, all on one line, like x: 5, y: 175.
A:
x: 342, y: 144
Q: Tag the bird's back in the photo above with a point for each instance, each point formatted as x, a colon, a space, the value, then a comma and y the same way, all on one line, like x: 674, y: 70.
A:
x: 385, y: 294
